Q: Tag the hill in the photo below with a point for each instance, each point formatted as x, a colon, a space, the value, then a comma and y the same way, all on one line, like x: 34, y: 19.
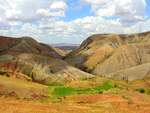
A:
x: 114, y: 56
x: 26, y: 59
x: 15, y: 46
x: 34, y: 81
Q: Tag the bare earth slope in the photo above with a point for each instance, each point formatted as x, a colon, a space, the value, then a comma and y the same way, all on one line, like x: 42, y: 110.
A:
x: 26, y: 59
x: 114, y: 56
x: 16, y: 46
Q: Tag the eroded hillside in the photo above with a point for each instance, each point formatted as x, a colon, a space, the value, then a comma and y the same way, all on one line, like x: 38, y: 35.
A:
x: 116, y: 56
x: 26, y: 59
x: 15, y: 46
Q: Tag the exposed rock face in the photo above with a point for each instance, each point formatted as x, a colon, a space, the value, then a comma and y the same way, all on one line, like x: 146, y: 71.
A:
x: 114, y: 56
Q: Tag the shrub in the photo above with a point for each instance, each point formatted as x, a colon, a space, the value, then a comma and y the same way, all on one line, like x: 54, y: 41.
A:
x: 141, y: 90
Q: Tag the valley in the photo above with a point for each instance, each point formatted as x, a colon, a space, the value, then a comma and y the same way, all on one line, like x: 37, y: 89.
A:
x: 97, y: 95
x: 108, y: 73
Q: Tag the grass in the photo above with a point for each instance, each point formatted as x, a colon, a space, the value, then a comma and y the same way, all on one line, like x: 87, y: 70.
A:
x: 85, y: 91
x: 106, y: 86
x: 84, y: 98
x: 55, y: 84
x: 62, y: 91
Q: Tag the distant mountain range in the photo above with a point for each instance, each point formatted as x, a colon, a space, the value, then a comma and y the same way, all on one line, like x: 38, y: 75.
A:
x: 66, y: 46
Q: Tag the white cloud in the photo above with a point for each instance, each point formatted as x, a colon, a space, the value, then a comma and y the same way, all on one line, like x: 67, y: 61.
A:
x: 45, y: 13
x: 41, y: 19
x: 76, y: 31
x: 58, y: 5
x: 31, y: 10
x: 4, y: 25
x: 106, y: 11
x: 126, y: 10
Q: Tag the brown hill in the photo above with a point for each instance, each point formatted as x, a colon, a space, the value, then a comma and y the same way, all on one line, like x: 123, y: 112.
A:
x: 115, y: 56
x: 39, y: 68
x: 15, y: 46
x: 26, y: 59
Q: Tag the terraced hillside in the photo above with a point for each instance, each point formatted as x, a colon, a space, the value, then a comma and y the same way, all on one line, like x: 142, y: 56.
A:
x: 124, y: 57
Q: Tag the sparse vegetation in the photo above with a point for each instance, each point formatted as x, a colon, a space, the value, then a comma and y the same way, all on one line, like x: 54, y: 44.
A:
x: 55, y: 84
x: 68, y: 89
x: 60, y: 93
x: 106, y: 86
x: 128, y: 99
x: 144, y: 90
x: 22, y: 89
x: 63, y: 91
x: 141, y: 90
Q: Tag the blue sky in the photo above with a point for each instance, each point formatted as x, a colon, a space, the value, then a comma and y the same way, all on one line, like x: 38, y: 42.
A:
x: 77, y: 10
x: 148, y: 7
x: 72, y: 21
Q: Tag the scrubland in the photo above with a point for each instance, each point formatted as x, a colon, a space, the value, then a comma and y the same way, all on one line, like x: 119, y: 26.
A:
x: 94, y: 95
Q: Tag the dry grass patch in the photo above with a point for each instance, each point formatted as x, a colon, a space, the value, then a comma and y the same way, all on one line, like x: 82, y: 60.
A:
x: 21, y: 89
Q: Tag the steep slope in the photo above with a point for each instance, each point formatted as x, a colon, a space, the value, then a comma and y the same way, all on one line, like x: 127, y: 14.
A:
x: 39, y: 68
x: 64, y: 48
x: 26, y: 59
x: 62, y: 52
x: 16, y: 46
x: 107, y: 54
